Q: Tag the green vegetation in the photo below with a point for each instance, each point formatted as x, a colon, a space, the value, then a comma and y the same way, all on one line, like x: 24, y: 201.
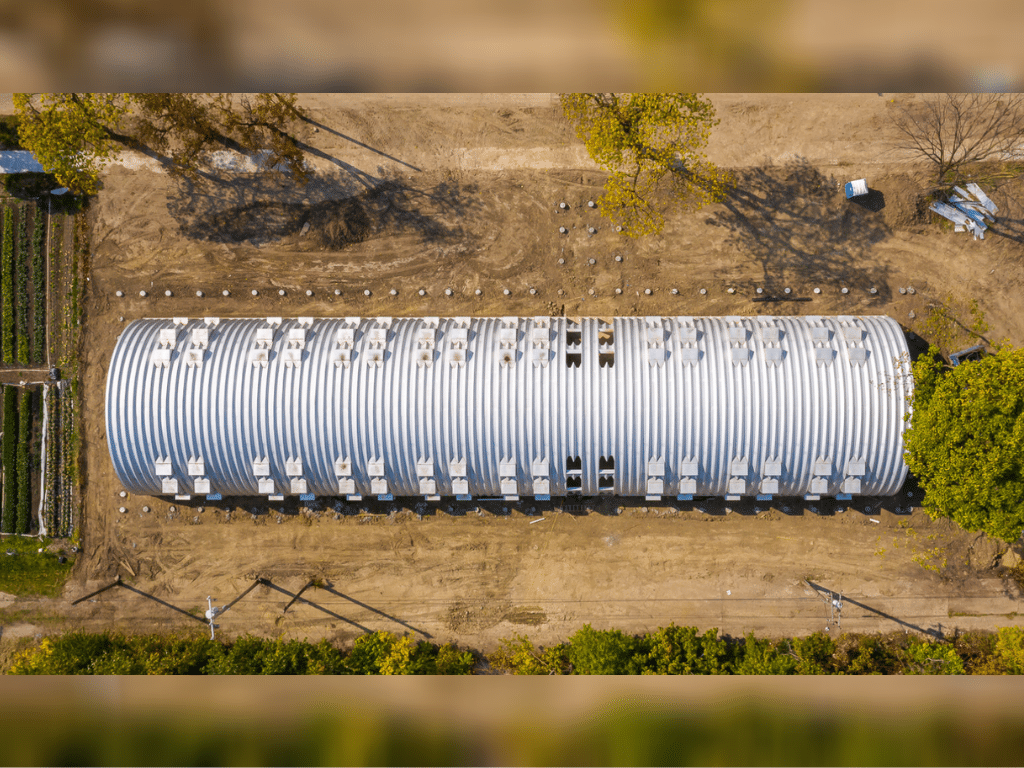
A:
x: 72, y: 134
x: 24, y: 499
x: 51, y: 501
x: 671, y: 650
x: 20, y: 295
x: 651, y: 145
x: 681, y: 650
x: 954, y: 323
x: 965, y: 444
x: 378, y: 653
x: 29, y: 571
x: 9, y: 133
x: 10, y: 439
x: 7, y: 288
x: 39, y: 288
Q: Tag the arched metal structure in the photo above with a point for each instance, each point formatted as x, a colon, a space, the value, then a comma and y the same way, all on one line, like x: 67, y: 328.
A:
x: 534, y: 406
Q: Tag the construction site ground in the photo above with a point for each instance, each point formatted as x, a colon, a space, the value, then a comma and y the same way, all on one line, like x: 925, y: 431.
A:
x: 462, y: 192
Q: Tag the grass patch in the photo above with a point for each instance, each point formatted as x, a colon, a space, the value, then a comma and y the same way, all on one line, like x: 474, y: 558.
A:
x: 29, y: 571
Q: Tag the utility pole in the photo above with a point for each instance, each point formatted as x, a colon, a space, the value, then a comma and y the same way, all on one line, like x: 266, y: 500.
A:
x: 835, y: 606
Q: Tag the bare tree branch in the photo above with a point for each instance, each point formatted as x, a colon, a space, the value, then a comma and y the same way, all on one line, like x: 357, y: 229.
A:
x: 951, y: 130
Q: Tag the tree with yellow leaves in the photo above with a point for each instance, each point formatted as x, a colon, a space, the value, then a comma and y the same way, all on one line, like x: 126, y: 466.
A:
x: 71, y: 134
x: 74, y: 134
x: 652, y: 145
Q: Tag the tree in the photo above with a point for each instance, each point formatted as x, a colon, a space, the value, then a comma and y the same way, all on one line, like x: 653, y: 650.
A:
x: 74, y: 134
x: 952, y: 129
x: 519, y: 656
x: 966, y: 441
x: 187, y: 125
x: 927, y: 658
x: 650, y: 144
x: 681, y: 651
x: 70, y: 134
x: 605, y: 652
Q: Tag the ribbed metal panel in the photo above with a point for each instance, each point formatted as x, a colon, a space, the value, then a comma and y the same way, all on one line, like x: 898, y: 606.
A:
x: 715, y: 399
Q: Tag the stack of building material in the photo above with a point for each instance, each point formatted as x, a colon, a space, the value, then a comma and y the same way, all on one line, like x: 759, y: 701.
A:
x: 968, y: 210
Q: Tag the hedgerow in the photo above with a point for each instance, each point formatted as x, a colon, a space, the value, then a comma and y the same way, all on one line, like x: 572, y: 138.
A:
x: 24, y: 476
x: 670, y: 650
x: 108, y: 653
x: 39, y: 319
x: 7, y: 289
x: 8, y: 453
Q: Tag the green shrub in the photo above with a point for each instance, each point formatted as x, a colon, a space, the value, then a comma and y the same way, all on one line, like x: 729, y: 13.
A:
x: 1010, y: 650
x: 815, y: 654
x: 384, y: 653
x: 605, y: 652
x: 933, y: 658
x: 518, y: 656
x: 763, y: 657
x: 681, y: 651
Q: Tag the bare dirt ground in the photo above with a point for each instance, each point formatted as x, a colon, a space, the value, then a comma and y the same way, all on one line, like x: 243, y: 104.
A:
x: 462, y: 193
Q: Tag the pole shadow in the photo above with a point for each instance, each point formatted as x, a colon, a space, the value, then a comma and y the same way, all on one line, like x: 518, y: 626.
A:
x: 119, y: 583
x: 333, y: 591
x: 847, y: 599
x: 296, y: 598
x: 358, y: 143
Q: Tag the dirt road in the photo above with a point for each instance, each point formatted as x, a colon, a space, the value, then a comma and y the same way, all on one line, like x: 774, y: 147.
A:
x: 463, y: 194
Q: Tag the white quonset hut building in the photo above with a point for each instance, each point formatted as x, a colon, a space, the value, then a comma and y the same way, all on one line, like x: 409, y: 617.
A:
x: 511, y: 406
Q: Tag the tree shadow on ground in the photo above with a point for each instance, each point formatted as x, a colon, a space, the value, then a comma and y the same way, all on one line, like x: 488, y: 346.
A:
x: 1009, y: 223
x: 342, y: 209
x: 795, y: 222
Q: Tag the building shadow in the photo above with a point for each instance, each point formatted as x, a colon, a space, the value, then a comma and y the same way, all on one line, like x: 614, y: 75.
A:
x: 798, y: 226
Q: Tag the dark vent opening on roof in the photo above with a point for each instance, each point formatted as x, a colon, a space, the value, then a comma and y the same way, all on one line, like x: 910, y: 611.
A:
x: 573, y: 463
x: 606, y: 482
x: 574, y: 481
x: 606, y: 359
x: 606, y: 462
x: 574, y: 360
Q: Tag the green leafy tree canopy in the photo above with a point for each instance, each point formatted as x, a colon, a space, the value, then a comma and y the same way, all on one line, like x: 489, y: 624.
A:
x: 650, y: 143
x: 966, y: 441
x: 70, y: 134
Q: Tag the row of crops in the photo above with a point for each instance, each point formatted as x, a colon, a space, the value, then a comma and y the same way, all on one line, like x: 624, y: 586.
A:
x: 19, y: 460
x: 40, y: 434
x: 61, y: 470
x: 23, y: 286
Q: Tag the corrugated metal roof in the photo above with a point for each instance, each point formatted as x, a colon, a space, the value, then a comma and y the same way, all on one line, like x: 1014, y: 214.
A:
x: 714, y: 406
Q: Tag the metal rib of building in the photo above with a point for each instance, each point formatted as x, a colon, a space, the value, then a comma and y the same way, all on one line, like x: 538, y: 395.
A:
x: 532, y: 406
